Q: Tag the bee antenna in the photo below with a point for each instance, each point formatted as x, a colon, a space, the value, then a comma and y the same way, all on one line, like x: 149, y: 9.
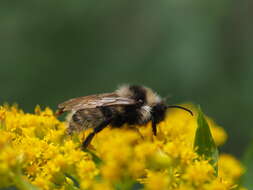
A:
x: 180, y: 107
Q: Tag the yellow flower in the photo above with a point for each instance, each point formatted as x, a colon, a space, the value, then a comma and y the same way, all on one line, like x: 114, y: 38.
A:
x: 137, y: 168
x: 157, y: 180
x: 36, y: 147
x: 219, y: 134
x: 230, y: 169
x: 2, y: 113
x: 86, y: 171
x: 218, y: 184
x: 102, y: 185
x: 180, y: 151
x: 42, y: 182
x: 111, y: 171
x: 199, y: 172
x: 179, y: 124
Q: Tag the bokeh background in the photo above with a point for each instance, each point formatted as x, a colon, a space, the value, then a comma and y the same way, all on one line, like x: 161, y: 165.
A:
x: 197, y: 51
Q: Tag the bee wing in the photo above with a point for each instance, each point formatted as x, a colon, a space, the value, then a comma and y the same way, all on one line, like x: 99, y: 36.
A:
x: 94, y: 101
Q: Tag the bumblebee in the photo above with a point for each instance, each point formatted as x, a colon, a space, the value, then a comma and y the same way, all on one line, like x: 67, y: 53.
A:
x: 129, y: 104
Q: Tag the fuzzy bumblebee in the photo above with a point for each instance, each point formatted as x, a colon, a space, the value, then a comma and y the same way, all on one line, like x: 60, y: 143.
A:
x: 130, y: 104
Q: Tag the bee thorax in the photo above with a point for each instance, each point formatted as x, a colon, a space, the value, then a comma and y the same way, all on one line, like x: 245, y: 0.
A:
x: 146, y: 95
x: 124, y: 91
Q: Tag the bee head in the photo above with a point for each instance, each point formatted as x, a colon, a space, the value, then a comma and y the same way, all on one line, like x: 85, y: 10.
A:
x: 158, y: 111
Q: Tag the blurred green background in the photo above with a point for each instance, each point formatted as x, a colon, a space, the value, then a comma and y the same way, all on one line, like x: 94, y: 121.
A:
x: 198, y: 51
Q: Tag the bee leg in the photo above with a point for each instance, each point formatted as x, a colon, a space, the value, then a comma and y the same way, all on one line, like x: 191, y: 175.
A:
x: 87, y: 141
x: 97, y: 129
x: 138, y: 131
x: 154, y: 128
x: 83, y: 136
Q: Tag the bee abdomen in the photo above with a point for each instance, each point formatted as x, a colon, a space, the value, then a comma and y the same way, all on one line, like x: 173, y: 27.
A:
x: 77, y: 118
x: 88, y: 118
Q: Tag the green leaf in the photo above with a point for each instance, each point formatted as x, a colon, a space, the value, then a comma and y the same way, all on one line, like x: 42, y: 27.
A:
x: 204, y: 143
x: 95, y: 158
x: 75, y: 181
x: 23, y: 184
x: 9, y: 188
x: 248, y: 162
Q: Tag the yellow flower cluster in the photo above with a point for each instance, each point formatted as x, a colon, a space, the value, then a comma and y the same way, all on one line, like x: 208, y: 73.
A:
x: 36, y: 153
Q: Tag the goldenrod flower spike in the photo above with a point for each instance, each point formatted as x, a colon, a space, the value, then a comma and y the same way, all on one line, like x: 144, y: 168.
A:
x: 36, y: 153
